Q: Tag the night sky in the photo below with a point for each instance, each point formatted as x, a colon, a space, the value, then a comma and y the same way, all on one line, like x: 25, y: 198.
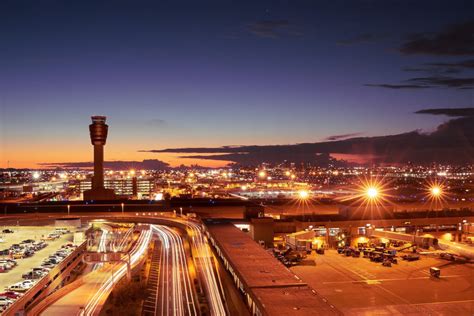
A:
x: 172, y: 74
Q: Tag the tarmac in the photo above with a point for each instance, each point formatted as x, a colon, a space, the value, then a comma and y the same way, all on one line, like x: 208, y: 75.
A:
x: 357, y: 286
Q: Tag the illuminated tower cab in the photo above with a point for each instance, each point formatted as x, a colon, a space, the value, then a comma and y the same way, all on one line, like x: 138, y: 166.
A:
x: 98, y: 132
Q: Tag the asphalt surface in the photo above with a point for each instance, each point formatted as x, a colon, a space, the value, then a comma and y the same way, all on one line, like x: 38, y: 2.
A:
x: 357, y: 286
x: 25, y: 265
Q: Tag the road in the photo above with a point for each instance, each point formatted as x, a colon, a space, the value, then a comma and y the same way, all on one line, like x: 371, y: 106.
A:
x: 175, y: 295
x: 202, y: 255
x: 203, y: 260
x: 97, y: 285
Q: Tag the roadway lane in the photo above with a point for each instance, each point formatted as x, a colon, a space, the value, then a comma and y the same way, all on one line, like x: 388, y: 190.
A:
x: 176, y: 293
x: 202, y: 254
x: 203, y: 258
x: 89, y: 298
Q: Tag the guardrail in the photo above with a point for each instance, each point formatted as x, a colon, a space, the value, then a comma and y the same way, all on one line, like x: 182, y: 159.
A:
x: 43, y: 304
x: 46, y: 284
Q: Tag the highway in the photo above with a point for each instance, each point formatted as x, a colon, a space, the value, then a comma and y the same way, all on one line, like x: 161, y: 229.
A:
x: 176, y: 293
x: 202, y: 255
x: 205, y: 266
x: 88, y: 298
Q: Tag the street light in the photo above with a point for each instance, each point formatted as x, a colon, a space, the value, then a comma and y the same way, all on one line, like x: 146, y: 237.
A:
x: 303, y: 194
x: 372, y: 193
x: 436, y: 191
x: 123, y: 206
x: 68, y: 209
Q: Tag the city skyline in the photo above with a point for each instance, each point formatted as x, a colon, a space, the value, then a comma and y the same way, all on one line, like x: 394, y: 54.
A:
x: 223, y: 74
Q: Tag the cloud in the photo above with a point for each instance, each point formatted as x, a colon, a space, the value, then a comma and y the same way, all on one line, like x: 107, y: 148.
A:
x: 362, y: 39
x: 268, y: 28
x: 435, y: 81
x: 454, y: 40
x: 451, y: 143
x: 396, y: 86
x: 460, y: 64
x: 155, y: 122
x: 434, y: 70
x: 444, y: 81
x: 148, y: 164
x: 457, y: 112
x: 342, y: 136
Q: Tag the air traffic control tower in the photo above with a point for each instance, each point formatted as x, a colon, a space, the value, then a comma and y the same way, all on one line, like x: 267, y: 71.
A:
x: 98, y: 131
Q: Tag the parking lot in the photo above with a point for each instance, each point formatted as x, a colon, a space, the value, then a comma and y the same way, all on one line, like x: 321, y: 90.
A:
x: 358, y: 286
x: 25, y: 265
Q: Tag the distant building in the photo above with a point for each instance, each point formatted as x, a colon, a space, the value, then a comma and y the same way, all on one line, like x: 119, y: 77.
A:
x: 124, y: 187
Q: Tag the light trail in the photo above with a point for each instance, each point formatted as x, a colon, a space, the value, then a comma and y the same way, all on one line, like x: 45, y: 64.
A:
x: 176, y: 298
x: 206, y: 267
x: 118, y: 271
x: 103, y: 240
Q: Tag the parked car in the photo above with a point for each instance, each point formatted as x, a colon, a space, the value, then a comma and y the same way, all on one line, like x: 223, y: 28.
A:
x: 39, y: 245
x: 11, y: 294
x: 61, y: 254
x: 17, y: 287
x: 4, y: 302
x: 16, y: 247
x: 33, y: 275
x: 7, y: 265
x: 411, y: 257
x: 48, y: 265
x: 28, y: 241
x: 28, y: 283
x: 7, y: 231
x: 18, y: 255
x: 5, y: 252
x: 29, y: 253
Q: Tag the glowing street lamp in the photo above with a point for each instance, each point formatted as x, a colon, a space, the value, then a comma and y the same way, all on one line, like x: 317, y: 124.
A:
x: 132, y: 172
x: 303, y: 194
x: 262, y: 174
x: 36, y: 175
x: 372, y: 193
x: 436, y: 191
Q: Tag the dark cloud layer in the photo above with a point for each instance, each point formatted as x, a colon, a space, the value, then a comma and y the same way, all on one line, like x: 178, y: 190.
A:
x: 451, y: 143
x: 454, y: 40
x: 458, y: 112
x: 269, y: 28
x: 460, y: 64
x: 444, y: 81
x: 434, y: 70
x: 363, y: 38
x: 343, y: 136
x: 434, y: 81
x: 396, y: 86
x: 149, y: 164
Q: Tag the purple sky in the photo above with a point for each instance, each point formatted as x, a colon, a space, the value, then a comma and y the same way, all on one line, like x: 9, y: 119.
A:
x: 177, y: 74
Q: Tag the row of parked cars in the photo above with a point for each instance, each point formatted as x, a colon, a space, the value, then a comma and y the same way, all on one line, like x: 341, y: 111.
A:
x: 16, y: 290
x: 25, y: 249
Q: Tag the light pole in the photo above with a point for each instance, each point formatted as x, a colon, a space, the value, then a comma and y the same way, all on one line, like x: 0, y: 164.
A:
x: 123, y: 205
x: 68, y: 209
